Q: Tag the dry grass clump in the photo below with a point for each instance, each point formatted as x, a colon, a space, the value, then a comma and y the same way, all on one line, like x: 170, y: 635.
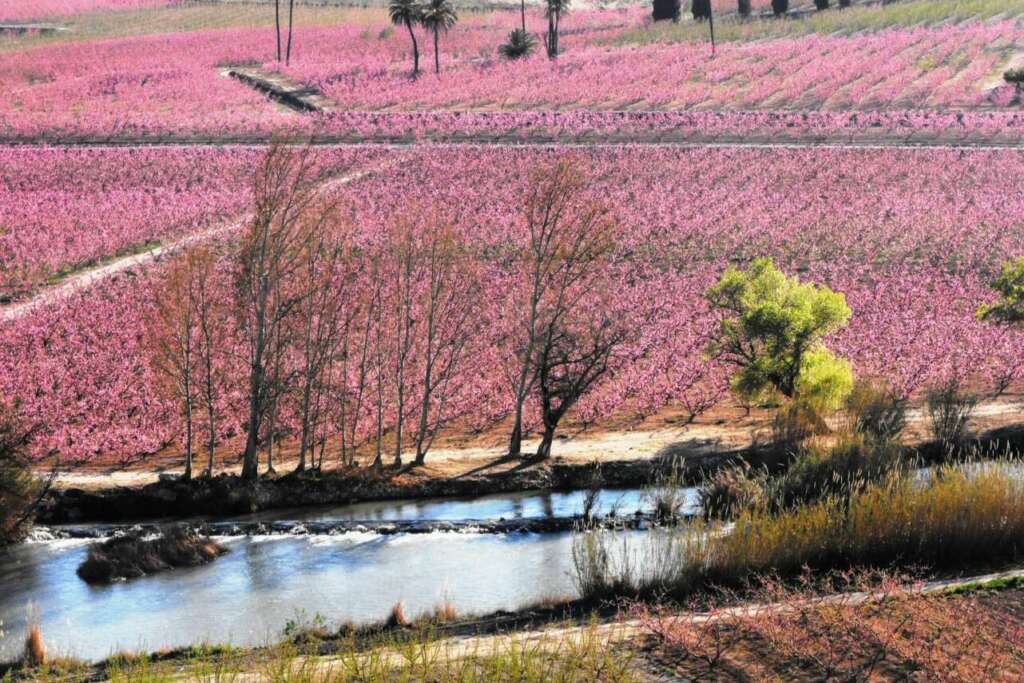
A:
x: 961, y: 515
x: 444, y: 612
x: 397, y: 617
x: 35, y: 647
x: 877, y: 630
x: 132, y: 556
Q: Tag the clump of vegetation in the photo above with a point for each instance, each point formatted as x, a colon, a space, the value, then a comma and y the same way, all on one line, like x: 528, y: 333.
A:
x: 839, y: 470
x: 397, y: 617
x: 592, y: 491
x: 949, y: 410
x: 875, y: 413
x: 520, y: 44
x: 792, y: 426
x: 132, y: 556
x: 1015, y: 77
x: 35, y: 647
x: 780, y: 7
x: 701, y: 9
x: 667, y: 494
x: 20, y: 491
x: 962, y: 514
x: 731, y: 490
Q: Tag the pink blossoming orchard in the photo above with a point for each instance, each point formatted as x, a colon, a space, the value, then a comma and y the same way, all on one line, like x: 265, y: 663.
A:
x: 911, y: 237
x: 748, y: 273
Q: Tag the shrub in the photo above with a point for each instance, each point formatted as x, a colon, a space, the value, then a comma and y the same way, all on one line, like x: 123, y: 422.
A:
x: 729, y: 491
x: 667, y: 494
x: 780, y: 7
x: 872, y: 411
x: 20, y: 491
x: 664, y: 10
x: 701, y: 9
x: 520, y: 44
x: 592, y: 492
x: 743, y: 8
x: 838, y: 470
x: 132, y: 555
x: 821, y: 4
x: 949, y: 410
x: 792, y: 426
x: 1015, y: 77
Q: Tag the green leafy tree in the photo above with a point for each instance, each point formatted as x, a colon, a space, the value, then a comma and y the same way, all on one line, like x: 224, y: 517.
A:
x: 437, y: 16
x: 772, y: 331
x: 408, y: 13
x: 1009, y: 308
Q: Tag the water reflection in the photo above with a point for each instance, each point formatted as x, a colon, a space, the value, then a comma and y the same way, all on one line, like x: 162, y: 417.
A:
x: 528, y: 505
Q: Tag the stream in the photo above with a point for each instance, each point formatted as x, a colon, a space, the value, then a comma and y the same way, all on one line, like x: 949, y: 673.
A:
x: 247, y: 596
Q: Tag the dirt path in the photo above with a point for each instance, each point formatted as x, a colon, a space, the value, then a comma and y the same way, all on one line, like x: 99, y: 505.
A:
x: 84, y: 279
x: 723, y: 430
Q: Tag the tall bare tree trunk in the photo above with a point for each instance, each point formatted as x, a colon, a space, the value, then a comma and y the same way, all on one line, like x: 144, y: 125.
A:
x: 522, y: 13
x: 188, y: 433
x: 277, y: 26
x: 291, y: 9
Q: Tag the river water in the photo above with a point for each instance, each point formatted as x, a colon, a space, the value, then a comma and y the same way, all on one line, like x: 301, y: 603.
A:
x: 247, y: 596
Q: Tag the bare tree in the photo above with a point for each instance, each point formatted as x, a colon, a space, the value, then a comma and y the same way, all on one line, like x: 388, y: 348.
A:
x: 172, y: 340
x: 270, y: 255
x: 570, y: 237
x: 277, y: 26
x: 357, y: 356
x: 288, y: 51
x: 211, y: 320
x: 451, y: 301
x: 322, y: 317
x: 405, y: 264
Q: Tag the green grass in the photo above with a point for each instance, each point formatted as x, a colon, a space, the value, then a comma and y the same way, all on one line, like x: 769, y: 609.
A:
x: 1001, y: 584
x: 845, y: 22
x: 119, y: 24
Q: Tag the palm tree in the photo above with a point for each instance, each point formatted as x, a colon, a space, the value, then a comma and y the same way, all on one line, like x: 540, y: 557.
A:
x: 407, y: 13
x: 520, y: 44
x: 553, y: 10
x: 437, y: 16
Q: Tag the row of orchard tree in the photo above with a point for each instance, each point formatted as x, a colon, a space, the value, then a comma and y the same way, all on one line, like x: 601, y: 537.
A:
x: 353, y: 342
x: 702, y: 9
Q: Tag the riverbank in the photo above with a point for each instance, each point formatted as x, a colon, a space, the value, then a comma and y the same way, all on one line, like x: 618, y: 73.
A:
x: 885, y: 629
x: 228, y: 495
